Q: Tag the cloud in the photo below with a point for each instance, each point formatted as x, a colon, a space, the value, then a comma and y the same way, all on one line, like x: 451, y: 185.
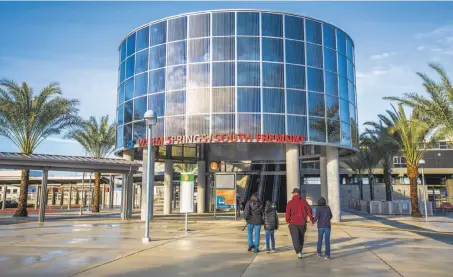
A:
x: 441, y: 38
x: 61, y: 140
x: 382, y: 56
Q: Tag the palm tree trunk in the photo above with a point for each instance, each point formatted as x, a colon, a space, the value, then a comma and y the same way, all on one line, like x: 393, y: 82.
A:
x: 412, y: 173
x: 370, y: 182
x: 97, y: 188
x: 22, y: 205
x: 361, y: 187
x: 388, y: 184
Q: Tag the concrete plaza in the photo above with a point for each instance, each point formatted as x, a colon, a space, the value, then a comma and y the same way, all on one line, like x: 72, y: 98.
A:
x: 361, y: 246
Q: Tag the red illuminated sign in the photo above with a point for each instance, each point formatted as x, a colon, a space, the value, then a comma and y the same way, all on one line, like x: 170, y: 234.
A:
x: 224, y: 138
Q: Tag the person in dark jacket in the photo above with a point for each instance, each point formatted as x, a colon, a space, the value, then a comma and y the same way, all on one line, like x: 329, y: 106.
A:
x: 253, y: 213
x: 270, y: 219
x: 297, y: 211
x: 323, y: 217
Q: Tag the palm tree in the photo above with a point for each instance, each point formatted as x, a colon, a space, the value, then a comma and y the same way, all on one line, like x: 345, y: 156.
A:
x: 416, y: 136
x: 370, y: 160
x: 437, y: 109
x: 27, y: 119
x: 185, y: 168
x: 356, y: 164
x: 98, y: 139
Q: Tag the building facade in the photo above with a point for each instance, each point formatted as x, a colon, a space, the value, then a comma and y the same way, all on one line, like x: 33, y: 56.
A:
x: 267, y: 79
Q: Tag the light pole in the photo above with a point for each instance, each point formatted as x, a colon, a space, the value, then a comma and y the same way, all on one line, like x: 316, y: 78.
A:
x: 83, y: 184
x: 422, y: 163
x: 150, y: 120
x: 91, y: 196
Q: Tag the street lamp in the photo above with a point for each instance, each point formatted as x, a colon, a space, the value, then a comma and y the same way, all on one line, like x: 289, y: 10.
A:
x: 422, y: 163
x: 150, y: 120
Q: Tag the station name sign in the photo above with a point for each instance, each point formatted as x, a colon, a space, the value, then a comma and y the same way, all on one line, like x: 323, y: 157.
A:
x: 224, y: 138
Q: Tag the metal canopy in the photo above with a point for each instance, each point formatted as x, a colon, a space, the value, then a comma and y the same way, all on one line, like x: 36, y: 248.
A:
x: 12, y: 160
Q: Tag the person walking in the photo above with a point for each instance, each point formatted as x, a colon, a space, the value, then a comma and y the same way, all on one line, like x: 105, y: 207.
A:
x: 270, y: 219
x: 323, y: 217
x: 297, y: 211
x: 253, y: 213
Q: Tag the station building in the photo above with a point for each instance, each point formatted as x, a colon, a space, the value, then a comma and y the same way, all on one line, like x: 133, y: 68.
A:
x: 248, y: 92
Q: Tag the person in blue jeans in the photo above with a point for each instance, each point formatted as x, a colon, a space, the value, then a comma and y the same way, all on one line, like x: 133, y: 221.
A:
x: 253, y: 214
x: 270, y: 219
x: 323, y: 216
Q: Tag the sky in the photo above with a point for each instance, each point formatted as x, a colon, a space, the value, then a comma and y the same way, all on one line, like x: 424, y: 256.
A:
x: 76, y: 44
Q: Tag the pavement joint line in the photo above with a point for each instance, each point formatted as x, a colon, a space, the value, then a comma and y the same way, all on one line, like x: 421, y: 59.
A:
x: 367, y: 248
x: 143, y: 250
x: 245, y: 270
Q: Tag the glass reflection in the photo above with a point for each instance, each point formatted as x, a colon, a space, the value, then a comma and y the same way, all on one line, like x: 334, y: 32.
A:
x: 248, y: 74
x: 352, y: 114
x: 354, y: 136
x: 313, y: 31
x: 121, y: 94
x: 271, y: 25
x: 331, y: 83
x: 248, y: 48
x: 345, y: 134
x: 129, y: 89
x: 175, y: 102
x: 156, y: 80
x: 351, y: 93
x: 248, y: 24
x: 273, y: 124
x: 122, y: 72
x: 199, y: 25
x: 141, y: 84
x: 123, y: 51
x: 223, y: 49
x: 175, y: 126
x: 295, y: 76
x: 139, y: 108
x: 333, y: 131
x: 296, y: 102
x: 130, y: 67
x: 295, y: 52
x: 223, y: 74
x: 272, y: 49
x: 249, y: 100
x: 176, y: 77
x: 343, y: 88
x: 119, y: 137
x: 141, y: 65
x: 199, y: 75
x: 176, y: 53
x: 142, y: 39
x: 198, y: 100
x: 333, y: 107
x: 272, y: 75
x: 139, y: 131
x: 223, y: 100
x: 177, y: 29
x: 329, y: 36
x: 128, y: 109
x: 315, y: 79
x: 156, y: 103
x: 316, y: 104
x: 199, y: 50
x: 223, y: 124
x: 317, y: 129
x: 249, y: 124
x: 223, y: 24
x: 158, y: 33
x: 127, y: 136
x: 157, y: 57
x: 273, y: 100
x: 294, y: 27
x: 314, y: 55
x: 198, y: 124
x: 349, y: 49
x: 344, y: 110
x: 350, y: 71
x: 297, y: 125
x: 120, y: 115
x: 131, y: 45
x: 330, y: 60
x: 158, y: 129
x: 341, y: 42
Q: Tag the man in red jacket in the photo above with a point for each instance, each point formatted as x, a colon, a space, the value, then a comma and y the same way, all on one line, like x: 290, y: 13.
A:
x: 297, y: 212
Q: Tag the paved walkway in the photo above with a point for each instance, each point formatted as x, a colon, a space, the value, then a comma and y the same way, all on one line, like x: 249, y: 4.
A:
x: 361, y: 246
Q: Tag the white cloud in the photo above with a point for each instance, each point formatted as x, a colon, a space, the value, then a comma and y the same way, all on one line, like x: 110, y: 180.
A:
x: 441, y: 38
x: 382, y: 56
x: 421, y: 47
x: 61, y: 140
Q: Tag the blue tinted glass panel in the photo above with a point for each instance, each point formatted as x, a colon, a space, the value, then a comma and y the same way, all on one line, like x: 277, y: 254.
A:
x: 223, y: 74
x: 158, y: 33
x: 119, y: 137
x: 295, y: 76
x: 123, y: 50
x: 199, y: 50
x: 122, y: 72
x: 297, y: 125
x: 349, y: 49
x: 156, y: 103
x: 272, y: 50
x: 175, y: 102
x: 272, y: 25
x: 128, y: 109
x: 344, y: 88
x: 314, y: 55
x: 351, y: 93
x: 199, y: 25
x: 249, y: 100
x: 131, y: 45
x: 223, y: 24
x: 142, y: 39
x: 223, y: 100
x: 329, y: 36
x: 342, y: 67
x: 176, y: 53
x: 129, y: 89
x: 199, y: 75
x: 198, y: 124
x: 249, y: 124
x: 341, y: 42
x: 350, y: 71
x: 333, y: 131
x: 139, y: 107
x: 141, y: 84
x: 317, y: 129
x: 223, y: 49
x: 313, y: 31
x: 248, y: 48
x: 295, y: 52
x: 130, y: 66
x: 296, y: 102
x: 141, y: 64
x: 120, y: 115
x: 345, y: 134
x: 248, y: 74
x: 316, y: 104
x: 352, y: 115
x: 248, y: 24
x: 156, y: 80
x: 331, y: 83
x: 354, y: 136
x: 273, y: 75
x: 177, y: 29
x: 273, y: 124
x: 330, y: 60
x: 315, y: 79
x: 127, y: 137
x: 139, y: 131
x: 176, y: 77
x: 333, y: 107
x: 294, y: 27
x: 121, y: 94
x: 273, y: 100
x: 344, y: 110
x: 158, y: 129
x: 223, y: 124
x: 157, y: 57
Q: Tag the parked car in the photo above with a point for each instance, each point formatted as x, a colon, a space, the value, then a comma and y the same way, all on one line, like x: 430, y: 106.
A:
x: 9, y: 204
x: 446, y: 206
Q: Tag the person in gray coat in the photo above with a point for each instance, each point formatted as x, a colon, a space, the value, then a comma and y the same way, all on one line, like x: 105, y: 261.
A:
x: 270, y: 219
x: 253, y: 214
